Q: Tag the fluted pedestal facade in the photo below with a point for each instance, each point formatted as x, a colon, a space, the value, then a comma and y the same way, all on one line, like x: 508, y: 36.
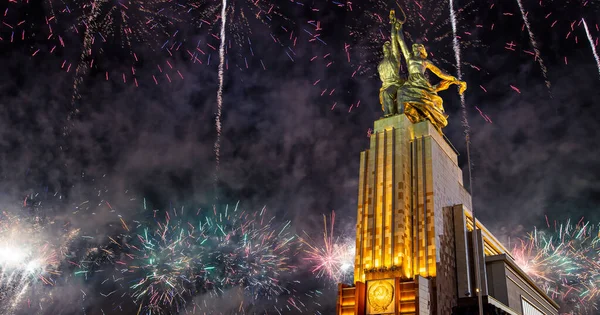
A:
x: 408, y: 175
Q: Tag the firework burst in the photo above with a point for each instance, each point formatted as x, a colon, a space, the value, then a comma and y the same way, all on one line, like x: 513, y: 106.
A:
x: 175, y: 256
x: 26, y: 259
x: 563, y: 260
x: 332, y: 257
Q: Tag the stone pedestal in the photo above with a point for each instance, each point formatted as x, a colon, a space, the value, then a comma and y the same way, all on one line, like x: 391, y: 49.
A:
x: 407, y: 176
x: 415, y: 235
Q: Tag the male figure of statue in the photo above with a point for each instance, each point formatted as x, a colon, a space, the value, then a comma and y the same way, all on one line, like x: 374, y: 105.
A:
x: 389, y: 73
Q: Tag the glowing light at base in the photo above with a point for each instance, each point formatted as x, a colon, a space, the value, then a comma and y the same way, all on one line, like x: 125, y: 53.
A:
x: 25, y: 259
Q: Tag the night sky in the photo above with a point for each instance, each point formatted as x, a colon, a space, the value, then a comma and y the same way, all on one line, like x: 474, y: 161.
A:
x: 292, y: 125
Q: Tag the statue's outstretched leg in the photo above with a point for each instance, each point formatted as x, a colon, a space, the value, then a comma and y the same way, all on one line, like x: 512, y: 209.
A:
x: 383, y: 100
x: 388, y: 98
x: 387, y: 110
x: 400, y: 106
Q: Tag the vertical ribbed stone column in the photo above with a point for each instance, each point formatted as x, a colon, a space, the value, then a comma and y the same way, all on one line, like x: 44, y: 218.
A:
x: 383, y: 234
x: 407, y: 176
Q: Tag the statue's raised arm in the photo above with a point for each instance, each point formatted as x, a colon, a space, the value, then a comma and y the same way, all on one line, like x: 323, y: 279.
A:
x: 397, y: 34
x: 394, y: 38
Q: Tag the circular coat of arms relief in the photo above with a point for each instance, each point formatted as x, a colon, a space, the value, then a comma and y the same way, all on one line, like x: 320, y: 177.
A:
x: 381, y: 295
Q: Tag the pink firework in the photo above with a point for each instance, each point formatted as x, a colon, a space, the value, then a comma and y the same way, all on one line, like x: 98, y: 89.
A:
x: 333, y: 257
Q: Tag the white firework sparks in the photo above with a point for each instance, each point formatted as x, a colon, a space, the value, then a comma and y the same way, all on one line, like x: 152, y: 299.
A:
x: 589, y: 36
x: 220, y: 90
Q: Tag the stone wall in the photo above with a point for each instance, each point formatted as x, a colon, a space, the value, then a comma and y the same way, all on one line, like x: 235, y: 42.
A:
x: 445, y: 281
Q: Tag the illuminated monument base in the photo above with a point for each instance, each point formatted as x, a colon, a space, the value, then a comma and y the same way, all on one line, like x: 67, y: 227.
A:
x: 414, y: 236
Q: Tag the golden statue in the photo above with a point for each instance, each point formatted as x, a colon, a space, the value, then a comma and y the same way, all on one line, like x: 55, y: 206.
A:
x: 416, y: 97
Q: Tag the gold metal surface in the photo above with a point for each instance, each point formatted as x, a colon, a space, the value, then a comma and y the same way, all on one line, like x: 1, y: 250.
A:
x: 415, y: 97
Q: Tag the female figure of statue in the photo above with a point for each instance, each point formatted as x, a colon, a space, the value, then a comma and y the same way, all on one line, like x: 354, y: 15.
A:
x: 417, y: 96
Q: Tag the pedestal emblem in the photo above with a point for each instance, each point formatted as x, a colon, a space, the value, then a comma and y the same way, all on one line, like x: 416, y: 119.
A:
x: 380, y: 295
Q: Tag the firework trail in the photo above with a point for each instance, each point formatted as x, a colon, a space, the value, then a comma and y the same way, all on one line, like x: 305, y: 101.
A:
x: 220, y: 90
x: 538, y: 56
x: 332, y: 258
x: 241, y: 18
x: 463, y: 105
x: 465, y: 123
x: 456, y: 47
x: 589, y: 36
x: 245, y: 20
x: 106, y: 26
